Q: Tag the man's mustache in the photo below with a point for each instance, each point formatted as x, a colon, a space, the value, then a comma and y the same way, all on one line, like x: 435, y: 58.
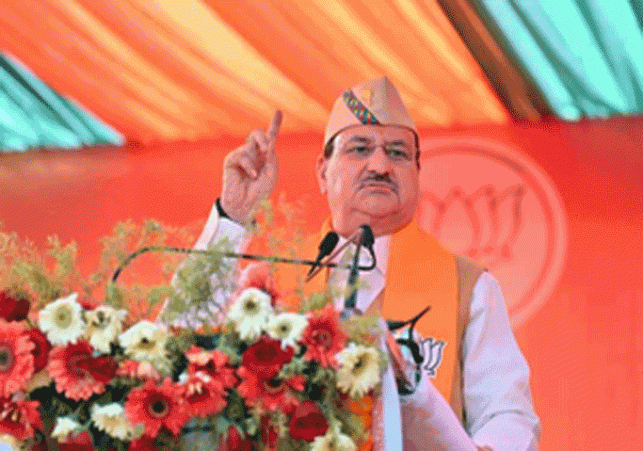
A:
x: 380, y: 178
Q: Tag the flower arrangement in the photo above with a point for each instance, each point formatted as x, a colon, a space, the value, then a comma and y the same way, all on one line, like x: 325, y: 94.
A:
x: 76, y: 374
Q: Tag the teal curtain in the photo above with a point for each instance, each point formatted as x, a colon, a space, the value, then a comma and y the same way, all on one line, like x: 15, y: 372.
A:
x: 585, y: 56
x: 33, y: 116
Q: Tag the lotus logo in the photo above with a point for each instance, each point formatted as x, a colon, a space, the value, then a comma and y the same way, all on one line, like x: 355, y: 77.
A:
x: 494, y: 219
x: 488, y: 202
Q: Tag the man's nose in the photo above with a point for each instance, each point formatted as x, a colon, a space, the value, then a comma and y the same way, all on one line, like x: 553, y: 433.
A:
x: 378, y: 161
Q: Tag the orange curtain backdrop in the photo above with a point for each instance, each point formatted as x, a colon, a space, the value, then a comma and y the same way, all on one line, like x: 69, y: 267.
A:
x: 166, y: 70
x: 584, y: 345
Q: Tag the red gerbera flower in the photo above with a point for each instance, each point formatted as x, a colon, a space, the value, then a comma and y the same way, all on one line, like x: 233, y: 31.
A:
x: 204, y: 395
x: 13, y: 308
x: 156, y: 406
x: 19, y: 418
x: 265, y: 357
x: 307, y: 422
x: 77, y: 373
x: 324, y: 337
x: 213, y: 363
x: 257, y: 275
x: 16, y: 360
x: 41, y: 349
x: 272, y: 394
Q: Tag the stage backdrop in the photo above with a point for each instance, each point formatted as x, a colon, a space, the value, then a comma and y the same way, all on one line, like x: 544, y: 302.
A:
x: 554, y: 210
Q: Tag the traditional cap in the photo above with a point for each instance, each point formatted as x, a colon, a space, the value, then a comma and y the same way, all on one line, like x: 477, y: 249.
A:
x: 373, y: 102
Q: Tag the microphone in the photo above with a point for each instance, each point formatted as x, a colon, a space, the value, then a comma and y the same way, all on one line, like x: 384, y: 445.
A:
x: 325, y: 247
x: 366, y: 239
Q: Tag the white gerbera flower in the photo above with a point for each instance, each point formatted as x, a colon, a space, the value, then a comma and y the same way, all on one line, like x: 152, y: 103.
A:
x: 64, y: 427
x: 111, y: 419
x: 144, y: 341
x: 359, y: 370
x: 287, y: 327
x: 330, y: 442
x: 62, y: 320
x: 250, y: 313
x: 104, y: 324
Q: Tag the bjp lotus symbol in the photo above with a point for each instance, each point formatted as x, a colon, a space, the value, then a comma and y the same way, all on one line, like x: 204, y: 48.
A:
x: 486, y: 201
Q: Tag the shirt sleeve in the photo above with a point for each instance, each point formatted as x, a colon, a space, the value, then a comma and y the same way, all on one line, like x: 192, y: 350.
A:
x: 217, y: 228
x: 497, y: 399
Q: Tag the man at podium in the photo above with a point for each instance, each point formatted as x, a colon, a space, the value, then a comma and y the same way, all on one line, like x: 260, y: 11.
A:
x: 473, y: 390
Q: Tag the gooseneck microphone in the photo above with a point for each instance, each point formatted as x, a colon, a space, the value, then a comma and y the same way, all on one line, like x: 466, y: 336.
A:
x: 325, y: 248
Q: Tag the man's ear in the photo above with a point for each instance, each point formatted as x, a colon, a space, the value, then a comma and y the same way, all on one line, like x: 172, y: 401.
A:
x: 320, y: 169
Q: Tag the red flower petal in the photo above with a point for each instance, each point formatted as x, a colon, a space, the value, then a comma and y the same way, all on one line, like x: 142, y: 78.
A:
x: 234, y: 442
x: 308, y: 422
x: 79, y: 442
x: 204, y: 398
x: 143, y: 444
x: 77, y: 373
x: 266, y: 357
x: 157, y: 406
x: 324, y: 337
x: 41, y: 348
x: 16, y: 360
x: 20, y: 418
x: 13, y: 308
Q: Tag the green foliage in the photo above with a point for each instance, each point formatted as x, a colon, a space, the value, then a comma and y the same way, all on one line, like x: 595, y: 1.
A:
x: 317, y: 301
x: 362, y: 328
x: 193, y: 282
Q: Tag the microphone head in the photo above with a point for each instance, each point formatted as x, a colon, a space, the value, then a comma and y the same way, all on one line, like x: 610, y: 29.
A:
x: 328, y: 244
x: 368, y: 239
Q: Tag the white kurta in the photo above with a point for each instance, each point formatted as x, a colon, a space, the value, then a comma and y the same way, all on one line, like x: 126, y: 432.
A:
x: 497, y: 400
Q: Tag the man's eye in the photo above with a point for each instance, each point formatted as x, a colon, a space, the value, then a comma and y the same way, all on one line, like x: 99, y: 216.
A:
x: 398, y: 154
x: 359, y: 149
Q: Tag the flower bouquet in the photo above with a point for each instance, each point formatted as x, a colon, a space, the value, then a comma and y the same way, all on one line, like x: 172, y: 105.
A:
x: 76, y: 374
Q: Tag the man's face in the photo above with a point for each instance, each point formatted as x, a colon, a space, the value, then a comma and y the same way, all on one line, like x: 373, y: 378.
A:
x: 371, y: 178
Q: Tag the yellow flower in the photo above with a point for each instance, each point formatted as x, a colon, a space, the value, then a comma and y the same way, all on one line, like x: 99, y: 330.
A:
x: 359, y: 370
x: 145, y: 341
x: 104, y: 324
x: 330, y: 442
x: 250, y: 313
x: 111, y: 419
x: 62, y: 320
x: 288, y: 328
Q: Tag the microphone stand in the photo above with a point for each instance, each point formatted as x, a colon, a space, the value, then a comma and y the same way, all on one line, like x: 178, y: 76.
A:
x: 351, y: 298
x: 272, y: 259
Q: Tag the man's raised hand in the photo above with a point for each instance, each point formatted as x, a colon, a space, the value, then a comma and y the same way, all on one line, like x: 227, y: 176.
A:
x: 250, y: 172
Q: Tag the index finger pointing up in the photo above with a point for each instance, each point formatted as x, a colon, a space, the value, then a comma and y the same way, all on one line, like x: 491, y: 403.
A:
x: 273, y: 129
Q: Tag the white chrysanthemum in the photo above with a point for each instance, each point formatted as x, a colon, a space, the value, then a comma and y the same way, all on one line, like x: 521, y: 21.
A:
x: 359, y: 370
x: 104, y: 324
x: 11, y: 441
x: 144, y: 341
x: 64, y: 427
x: 250, y: 313
x: 111, y: 419
x: 330, y: 442
x: 288, y: 328
x: 62, y: 320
